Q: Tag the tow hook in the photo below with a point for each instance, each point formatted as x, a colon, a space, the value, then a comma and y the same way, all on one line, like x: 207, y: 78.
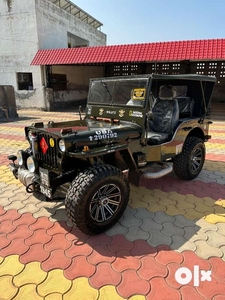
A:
x: 13, y: 167
x: 30, y: 188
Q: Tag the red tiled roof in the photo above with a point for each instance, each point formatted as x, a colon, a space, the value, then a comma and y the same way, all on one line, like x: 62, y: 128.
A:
x: 149, y: 52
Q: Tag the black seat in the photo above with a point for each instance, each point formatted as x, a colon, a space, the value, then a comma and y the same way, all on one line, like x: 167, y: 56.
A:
x: 186, y: 106
x: 165, y: 114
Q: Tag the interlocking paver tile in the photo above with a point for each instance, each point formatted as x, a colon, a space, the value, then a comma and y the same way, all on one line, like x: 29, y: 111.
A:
x: 57, y: 241
x: 78, y: 248
x: 205, y: 226
x: 141, y: 248
x: 103, y: 275
x: 170, y: 279
x: 160, y: 290
x: 132, y: 284
x: 38, y: 236
x: 179, y: 243
x: 142, y: 213
x: 8, y: 290
x: 58, y: 227
x: 165, y: 255
x: 157, y: 238
x: 35, y: 252
x: 54, y: 282
x: 11, y: 265
x: 219, y: 297
x: 4, y: 241
x: 190, y: 259
x: 40, y: 223
x: 188, y: 291
x: 32, y: 273
x: 125, y: 261
x: 218, y: 267
x: 54, y: 296
x: 109, y: 292
x: 128, y: 221
x: 192, y: 234
x: 174, y: 210
x: 149, y: 224
x: 215, y: 239
x: 206, y: 251
x: 22, y: 231
x: 135, y: 233
x: 208, y: 289
x: 118, y: 243
x: 81, y: 290
x: 170, y: 229
x: 182, y: 221
x: 100, y: 239
x: 220, y: 228
x: 56, y: 259
x: 101, y: 253
x: 16, y: 246
x: 151, y: 268
x: 79, y: 267
x: 31, y: 207
x: 117, y: 229
x: 6, y: 226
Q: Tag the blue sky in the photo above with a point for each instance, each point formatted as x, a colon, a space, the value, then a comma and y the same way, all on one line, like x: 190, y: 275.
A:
x: 143, y: 21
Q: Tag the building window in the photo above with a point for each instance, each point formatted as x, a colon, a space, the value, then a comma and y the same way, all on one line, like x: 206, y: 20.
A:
x: 200, y: 66
x: 25, y: 81
x: 176, y: 67
x: 165, y: 67
x: 212, y: 65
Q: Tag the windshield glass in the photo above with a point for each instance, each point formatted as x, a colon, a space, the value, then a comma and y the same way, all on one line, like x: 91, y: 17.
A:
x: 119, y: 92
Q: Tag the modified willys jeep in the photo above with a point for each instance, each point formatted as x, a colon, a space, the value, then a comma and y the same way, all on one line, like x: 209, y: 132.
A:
x: 134, y: 126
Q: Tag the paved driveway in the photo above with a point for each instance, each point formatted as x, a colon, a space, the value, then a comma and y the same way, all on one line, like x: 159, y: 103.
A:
x: 169, y: 224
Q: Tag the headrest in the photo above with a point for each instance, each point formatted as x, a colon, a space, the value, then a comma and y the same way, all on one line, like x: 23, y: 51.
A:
x: 167, y: 92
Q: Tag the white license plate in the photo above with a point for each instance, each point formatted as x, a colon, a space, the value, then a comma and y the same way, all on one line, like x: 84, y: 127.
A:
x: 44, y: 176
x: 46, y: 191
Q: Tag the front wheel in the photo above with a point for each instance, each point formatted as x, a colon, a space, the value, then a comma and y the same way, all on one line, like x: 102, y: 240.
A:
x: 97, y: 198
x: 188, y: 164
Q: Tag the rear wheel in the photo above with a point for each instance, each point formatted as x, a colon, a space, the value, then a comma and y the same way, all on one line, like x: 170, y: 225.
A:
x: 97, y: 198
x: 188, y: 164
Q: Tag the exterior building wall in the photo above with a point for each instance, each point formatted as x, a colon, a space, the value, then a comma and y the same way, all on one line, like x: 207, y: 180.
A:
x: 77, y: 85
x: 19, y: 43
x: 29, y: 25
x: 53, y: 24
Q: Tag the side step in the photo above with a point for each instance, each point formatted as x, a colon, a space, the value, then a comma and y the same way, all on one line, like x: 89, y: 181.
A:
x: 167, y: 168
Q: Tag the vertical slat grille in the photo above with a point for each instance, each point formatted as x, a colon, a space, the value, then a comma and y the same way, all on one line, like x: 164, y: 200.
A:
x: 50, y: 157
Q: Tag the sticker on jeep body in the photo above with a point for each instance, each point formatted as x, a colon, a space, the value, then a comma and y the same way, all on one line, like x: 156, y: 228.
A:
x: 137, y: 114
x: 103, y: 134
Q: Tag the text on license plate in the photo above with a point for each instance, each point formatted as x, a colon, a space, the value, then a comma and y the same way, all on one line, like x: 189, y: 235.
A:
x: 46, y: 191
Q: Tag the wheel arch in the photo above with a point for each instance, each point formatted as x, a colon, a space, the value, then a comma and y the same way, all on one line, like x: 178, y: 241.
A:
x: 197, y: 132
x: 122, y: 160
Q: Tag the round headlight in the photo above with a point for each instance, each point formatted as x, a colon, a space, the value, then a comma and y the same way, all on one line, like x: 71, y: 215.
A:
x: 62, y: 145
x: 20, y: 158
x: 31, y: 165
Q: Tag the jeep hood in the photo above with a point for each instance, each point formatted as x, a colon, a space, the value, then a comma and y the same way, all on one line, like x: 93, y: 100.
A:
x: 90, y: 130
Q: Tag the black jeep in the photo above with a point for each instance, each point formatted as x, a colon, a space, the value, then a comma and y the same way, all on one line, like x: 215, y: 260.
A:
x: 132, y: 124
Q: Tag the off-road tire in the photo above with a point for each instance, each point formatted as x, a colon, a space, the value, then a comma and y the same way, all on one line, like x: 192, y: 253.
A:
x: 188, y: 164
x: 81, y: 198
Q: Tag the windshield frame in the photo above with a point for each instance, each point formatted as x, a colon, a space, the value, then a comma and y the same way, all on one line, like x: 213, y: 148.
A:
x: 110, y: 91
